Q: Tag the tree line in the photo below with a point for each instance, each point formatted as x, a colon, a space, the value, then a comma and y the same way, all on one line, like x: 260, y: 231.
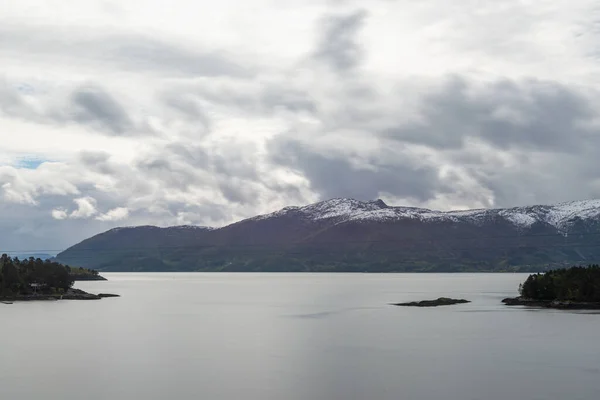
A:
x: 23, y: 277
x: 579, y: 284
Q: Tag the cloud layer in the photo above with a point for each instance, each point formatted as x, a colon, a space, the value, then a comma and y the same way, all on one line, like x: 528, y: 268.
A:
x: 129, y: 114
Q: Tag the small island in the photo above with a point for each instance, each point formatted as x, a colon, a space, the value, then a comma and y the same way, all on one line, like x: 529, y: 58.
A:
x: 34, y: 279
x: 442, y: 301
x: 576, y: 288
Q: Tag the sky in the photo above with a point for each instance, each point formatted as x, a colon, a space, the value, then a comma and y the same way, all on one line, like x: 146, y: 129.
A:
x: 120, y: 113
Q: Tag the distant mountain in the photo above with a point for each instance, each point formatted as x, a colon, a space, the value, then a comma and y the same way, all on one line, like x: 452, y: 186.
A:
x: 350, y: 235
x: 23, y: 256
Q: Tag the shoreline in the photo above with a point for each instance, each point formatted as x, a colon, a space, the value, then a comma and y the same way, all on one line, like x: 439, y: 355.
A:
x: 83, y: 278
x: 555, y: 304
x: 71, y: 294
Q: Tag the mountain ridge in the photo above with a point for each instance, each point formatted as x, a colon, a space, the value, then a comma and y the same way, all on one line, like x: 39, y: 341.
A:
x: 521, y: 215
x: 344, y: 234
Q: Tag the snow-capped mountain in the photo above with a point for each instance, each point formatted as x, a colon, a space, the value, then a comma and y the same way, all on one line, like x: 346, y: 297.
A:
x: 351, y: 235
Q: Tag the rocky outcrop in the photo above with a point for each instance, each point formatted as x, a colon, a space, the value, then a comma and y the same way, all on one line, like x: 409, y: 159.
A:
x: 442, y: 301
x: 102, y: 295
x: 78, y: 294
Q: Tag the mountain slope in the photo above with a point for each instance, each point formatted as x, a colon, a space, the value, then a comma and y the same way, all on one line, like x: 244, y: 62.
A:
x: 350, y: 235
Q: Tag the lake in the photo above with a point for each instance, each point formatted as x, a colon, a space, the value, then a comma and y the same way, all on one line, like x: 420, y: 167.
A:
x: 297, y: 336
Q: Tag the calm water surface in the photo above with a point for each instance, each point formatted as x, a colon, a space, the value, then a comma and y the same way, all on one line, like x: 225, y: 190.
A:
x: 297, y: 336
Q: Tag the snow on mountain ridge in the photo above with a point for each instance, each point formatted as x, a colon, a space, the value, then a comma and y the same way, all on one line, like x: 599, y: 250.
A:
x: 343, y: 210
x: 206, y: 228
x: 121, y: 228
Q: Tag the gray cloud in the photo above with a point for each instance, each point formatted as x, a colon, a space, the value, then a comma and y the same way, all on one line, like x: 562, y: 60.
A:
x: 94, y: 106
x: 145, y: 54
x: 97, y: 161
x: 186, y: 166
x: 539, y: 138
x: 333, y: 175
x: 531, y: 122
x: 240, y: 162
x: 91, y: 158
x: 234, y: 172
x: 171, y: 174
x: 530, y: 115
x: 533, y: 134
x: 248, y: 96
x: 187, y: 106
x: 11, y: 103
x: 237, y: 192
x: 292, y: 100
x: 193, y: 155
x: 337, y: 45
x: 89, y: 105
x: 136, y: 53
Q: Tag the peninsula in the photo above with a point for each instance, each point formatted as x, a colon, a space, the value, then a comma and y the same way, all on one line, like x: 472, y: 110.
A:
x: 570, y: 288
x: 85, y: 274
x: 34, y: 279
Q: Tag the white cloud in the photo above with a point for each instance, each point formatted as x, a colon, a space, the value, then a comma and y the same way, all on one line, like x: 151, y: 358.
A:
x: 13, y: 195
x: 59, y: 214
x: 116, y: 214
x: 86, y: 207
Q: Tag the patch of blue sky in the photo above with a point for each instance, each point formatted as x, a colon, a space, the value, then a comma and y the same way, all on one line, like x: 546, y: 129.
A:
x: 30, y: 163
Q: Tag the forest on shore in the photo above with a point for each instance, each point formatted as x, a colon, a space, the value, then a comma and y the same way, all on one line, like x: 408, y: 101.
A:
x: 577, y: 284
x: 34, y: 275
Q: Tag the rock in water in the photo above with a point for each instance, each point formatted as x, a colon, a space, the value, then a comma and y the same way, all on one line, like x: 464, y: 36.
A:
x: 108, y: 295
x: 442, y: 301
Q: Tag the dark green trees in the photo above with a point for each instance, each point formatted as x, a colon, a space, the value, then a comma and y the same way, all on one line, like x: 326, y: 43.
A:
x: 11, y: 280
x: 579, y: 284
x: 21, y: 276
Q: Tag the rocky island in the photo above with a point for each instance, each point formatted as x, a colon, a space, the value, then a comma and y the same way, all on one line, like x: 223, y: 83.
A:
x: 34, y: 279
x: 575, y: 288
x: 442, y: 301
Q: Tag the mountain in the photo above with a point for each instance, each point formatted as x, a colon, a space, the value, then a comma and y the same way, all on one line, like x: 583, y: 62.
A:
x: 354, y: 236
